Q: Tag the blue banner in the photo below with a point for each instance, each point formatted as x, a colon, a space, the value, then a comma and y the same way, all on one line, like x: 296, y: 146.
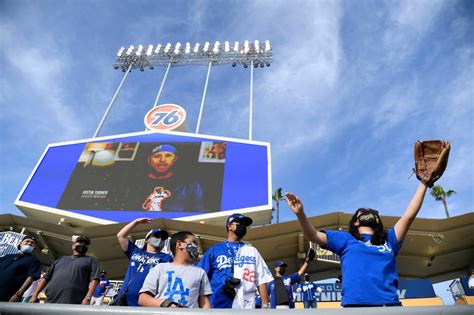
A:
x: 9, y: 242
x: 407, y: 289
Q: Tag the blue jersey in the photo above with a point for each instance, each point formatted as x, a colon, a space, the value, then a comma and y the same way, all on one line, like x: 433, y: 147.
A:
x: 308, y: 291
x: 288, y: 281
x: 102, y: 286
x: 217, y: 262
x: 139, y: 258
x: 369, y: 271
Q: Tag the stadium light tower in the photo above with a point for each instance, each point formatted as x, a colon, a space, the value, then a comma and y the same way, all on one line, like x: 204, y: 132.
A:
x: 246, y: 54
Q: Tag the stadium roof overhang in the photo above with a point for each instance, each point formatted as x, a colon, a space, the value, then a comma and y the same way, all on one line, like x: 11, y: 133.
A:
x: 440, y: 249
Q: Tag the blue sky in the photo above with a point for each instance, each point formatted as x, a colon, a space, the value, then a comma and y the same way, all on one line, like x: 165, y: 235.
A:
x: 353, y: 85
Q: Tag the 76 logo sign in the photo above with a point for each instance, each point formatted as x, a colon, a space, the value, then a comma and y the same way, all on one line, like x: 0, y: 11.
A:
x: 165, y: 117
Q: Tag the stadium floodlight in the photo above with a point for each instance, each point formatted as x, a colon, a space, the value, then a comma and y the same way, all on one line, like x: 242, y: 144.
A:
x: 216, y: 47
x: 239, y: 53
x: 157, y: 49
x: 149, y: 50
x: 177, y: 48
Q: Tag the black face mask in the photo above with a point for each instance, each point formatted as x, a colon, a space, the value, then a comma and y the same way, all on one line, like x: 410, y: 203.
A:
x: 368, y: 218
x: 282, y: 271
x: 306, y: 279
x: 193, y: 251
x: 240, y: 231
x: 81, y: 249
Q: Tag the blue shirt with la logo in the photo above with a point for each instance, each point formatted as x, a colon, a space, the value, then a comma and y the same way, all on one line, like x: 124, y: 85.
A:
x: 369, y: 272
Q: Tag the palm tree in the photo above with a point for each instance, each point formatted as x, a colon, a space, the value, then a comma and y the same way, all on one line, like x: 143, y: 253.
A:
x: 439, y: 194
x: 277, y: 196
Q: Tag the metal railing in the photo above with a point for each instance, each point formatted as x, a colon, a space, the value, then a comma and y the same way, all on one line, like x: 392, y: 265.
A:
x: 56, y: 309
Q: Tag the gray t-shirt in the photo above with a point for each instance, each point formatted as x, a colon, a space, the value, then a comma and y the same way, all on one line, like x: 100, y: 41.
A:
x: 182, y: 284
x: 69, y: 279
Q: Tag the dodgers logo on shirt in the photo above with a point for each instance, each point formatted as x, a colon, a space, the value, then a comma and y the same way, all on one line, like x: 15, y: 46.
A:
x: 223, y: 262
x: 176, y: 287
x: 381, y: 248
x: 247, y: 260
x: 287, y: 281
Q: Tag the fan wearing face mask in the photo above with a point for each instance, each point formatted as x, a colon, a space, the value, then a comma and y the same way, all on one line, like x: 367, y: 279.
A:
x: 368, y: 252
x: 141, y: 259
x: 236, y: 270
x: 180, y: 283
x: 71, y: 279
x: 281, y: 289
x: 18, y: 271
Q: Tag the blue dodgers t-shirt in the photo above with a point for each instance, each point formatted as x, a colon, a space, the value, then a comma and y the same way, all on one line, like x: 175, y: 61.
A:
x: 369, y: 271
x: 288, y: 281
x: 308, y: 291
x: 138, y: 257
x: 101, y: 287
x: 217, y: 262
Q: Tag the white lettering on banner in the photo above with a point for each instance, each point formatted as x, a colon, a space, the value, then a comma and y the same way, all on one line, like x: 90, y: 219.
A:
x: 330, y: 296
x: 223, y: 262
x: 9, y: 242
x: 401, y: 293
x: 331, y: 293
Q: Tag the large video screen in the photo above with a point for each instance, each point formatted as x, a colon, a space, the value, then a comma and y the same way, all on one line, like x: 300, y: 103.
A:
x: 151, y: 174
x: 147, y: 176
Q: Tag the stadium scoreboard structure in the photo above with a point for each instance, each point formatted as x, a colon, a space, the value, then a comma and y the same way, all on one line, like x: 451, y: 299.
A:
x: 161, y: 172
x: 106, y: 180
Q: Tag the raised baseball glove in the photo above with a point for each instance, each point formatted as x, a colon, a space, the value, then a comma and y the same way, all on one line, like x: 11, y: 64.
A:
x: 431, y: 159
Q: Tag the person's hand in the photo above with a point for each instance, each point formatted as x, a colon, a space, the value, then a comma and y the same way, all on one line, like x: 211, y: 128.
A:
x: 86, y: 302
x: 16, y: 297
x: 294, y: 203
x: 143, y: 220
x: 33, y: 299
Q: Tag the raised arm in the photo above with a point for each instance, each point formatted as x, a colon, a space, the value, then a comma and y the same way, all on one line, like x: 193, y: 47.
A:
x: 404, y: 223
x: 122, y: 236
x: 303, y: 268
x: 308, y: 229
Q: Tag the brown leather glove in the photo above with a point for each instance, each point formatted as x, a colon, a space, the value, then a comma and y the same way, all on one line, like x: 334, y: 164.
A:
x: 431, y: 159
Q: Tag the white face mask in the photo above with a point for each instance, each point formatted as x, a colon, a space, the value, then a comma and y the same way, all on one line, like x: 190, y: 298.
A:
x: 157, y: 243
x: 26, y: 249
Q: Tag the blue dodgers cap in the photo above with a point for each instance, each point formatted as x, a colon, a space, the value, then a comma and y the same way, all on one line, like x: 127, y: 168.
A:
x: 164, y: 148
x: 237, y: 217
x: 280, y: 264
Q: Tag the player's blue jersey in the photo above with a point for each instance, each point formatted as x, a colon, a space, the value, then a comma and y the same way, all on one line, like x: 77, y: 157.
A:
x: 288, y: 281
x: 308, y: 291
